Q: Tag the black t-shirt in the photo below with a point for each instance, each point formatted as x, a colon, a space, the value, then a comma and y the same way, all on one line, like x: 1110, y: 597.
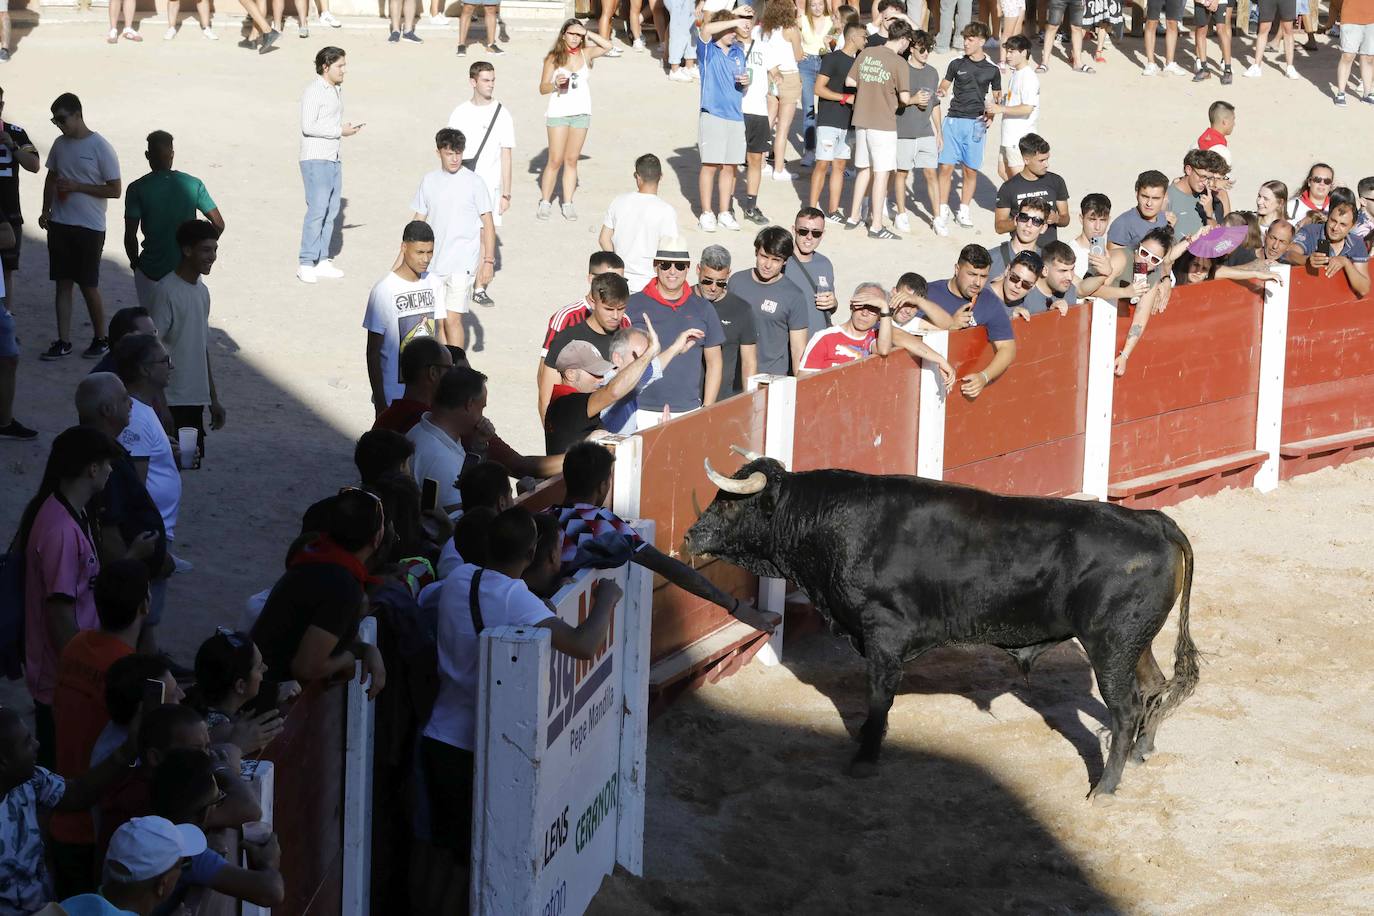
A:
x: 737, y: 321
x: 9, y: 174
x: 311, y: 594
x: 581, y: 331
x: 566, y: 423
x: 1048, y: 187
x: 971, y: 80
x: 125, y: 503
x: 835, y: 67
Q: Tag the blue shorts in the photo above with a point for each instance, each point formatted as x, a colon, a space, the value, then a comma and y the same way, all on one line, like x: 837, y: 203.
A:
x: 9, y: 339
x: 964, y: 142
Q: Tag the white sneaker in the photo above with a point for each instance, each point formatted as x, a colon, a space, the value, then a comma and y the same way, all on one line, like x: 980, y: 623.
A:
x: 783, y: 175
x: 965, y: 218
x: 680, y: 76
x: 902, y: 222
x: 327, y: 18
x: 306, y: 274
x: 1292, y: 74
x: 327, y: 270
x: 209, y: 35
x: 707, y: 223
x: 169, y: 34
x: 1253, y: 71
x: 727, y: 221
x: 767, y: 168
x: 941, y: 226
x: 946, y: 214
x: 1150, y: 69
x: 692, y: 73
x: 1175, y: 69
x: 639, y: 45
x: 545, y: 208
x: 180, y: 565
x: 439, y: 19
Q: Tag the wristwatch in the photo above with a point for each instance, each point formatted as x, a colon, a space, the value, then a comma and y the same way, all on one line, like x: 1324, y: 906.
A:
x: 887, y: 314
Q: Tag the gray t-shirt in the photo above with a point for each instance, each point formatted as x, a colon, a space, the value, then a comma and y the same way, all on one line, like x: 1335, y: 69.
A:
x: 912, y: 122
x: 1130, y: 227
x: 778, y: 309
x: 87, y: 160
x: 1037, y: 302
x: 821, y: 272
x: 1187, y: 211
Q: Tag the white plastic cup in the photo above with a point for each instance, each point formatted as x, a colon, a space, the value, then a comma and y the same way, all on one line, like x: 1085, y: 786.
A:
x: 187, y: 440
x: 257, y: 833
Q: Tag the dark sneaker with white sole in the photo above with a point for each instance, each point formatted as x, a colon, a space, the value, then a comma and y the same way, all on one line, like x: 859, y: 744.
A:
x: 98, y: 348
x: 481, y: 298
x: 58, y: 350
x: 17, y: 430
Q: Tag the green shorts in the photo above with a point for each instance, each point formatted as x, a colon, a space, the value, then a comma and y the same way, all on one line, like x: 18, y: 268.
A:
x: 582, y: 121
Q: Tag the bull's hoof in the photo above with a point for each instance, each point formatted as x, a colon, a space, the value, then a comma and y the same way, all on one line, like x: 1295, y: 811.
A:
x: 1102, y: 799
x: 1139, y: 759
x: 863, y: 769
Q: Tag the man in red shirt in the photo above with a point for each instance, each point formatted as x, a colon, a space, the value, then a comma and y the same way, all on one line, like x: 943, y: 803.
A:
x: 423, y: 362
x: 121, y: 600
x: 869, y: 330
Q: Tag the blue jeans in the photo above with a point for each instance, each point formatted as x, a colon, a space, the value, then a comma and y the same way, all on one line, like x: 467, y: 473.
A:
x: 680, y: 20
x: 323, y: 185
x: 810, y: 67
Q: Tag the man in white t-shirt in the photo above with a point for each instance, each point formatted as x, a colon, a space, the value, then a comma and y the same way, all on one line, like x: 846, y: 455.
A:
x: 489, y: 129
x: 456, y: 203
x: 402, y: 306
x: 1021, y: 110
x: 635, y: 222
x: 503, y: 599
x: 458, y: 404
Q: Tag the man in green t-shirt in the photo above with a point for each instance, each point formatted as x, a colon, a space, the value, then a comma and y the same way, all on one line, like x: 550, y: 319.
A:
x: 158, y: 203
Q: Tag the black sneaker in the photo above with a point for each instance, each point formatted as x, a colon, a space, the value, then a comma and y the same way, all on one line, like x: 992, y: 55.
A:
x: 495, y: 50
x: 852, y: 224
x: 462, y: 50
x: 98, y: 348
x: 882, y: 233
x: 835, y: 216
x: 268, y: 41
x: 59, y: 349
x: 1226, y: 76
x: 394, y: 38
x: 481, y: 298
x: 501, y: 33
x: 755, y: 215
x: 413, y: 38
x: 1201, y: 74
x: 17, y: 430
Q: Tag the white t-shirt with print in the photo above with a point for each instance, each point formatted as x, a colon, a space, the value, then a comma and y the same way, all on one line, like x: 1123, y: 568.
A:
x: 401, y: 310
x: 756, y: 96
x: 144, y: 437
x: 504, y: 602
x: 638, y: 222
x: 453, y: 203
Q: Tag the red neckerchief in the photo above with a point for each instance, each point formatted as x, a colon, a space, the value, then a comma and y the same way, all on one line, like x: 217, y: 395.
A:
x: 324, y: 550
x: 559, y: 391
x: 651, y: 290
x: 1311, y: 205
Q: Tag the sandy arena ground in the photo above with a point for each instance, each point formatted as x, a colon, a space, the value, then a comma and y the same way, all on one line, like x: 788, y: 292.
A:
x: 1254, y: 805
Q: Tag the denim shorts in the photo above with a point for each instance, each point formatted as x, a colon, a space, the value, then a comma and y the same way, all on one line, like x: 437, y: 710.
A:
x: 833, y: 143
x: 582, y: 121
x: 964, y: 142
x: 9, y: 338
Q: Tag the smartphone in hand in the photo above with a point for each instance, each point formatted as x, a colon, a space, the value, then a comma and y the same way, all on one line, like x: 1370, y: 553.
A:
x: 429, y: 494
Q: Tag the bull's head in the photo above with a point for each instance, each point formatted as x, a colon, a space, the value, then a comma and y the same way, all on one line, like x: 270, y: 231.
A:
x: 738, y: 525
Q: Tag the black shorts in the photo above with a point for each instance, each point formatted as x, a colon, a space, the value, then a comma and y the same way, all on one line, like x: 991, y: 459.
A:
x: 9, y: 258
x: 1203, y: 17
x: 192, y: 415
x: 1054, y: 12
x: 1282, y: 10
x: 758, y: 137
x: 448, y: 777
x: 1172, y: 9
x: 74, y: 254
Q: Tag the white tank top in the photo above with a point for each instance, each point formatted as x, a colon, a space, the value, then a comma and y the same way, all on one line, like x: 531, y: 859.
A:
x: 778, y: 52
x: 577, y: 100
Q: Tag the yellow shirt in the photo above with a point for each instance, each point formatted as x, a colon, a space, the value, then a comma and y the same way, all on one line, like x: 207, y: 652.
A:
x: 813, y: 41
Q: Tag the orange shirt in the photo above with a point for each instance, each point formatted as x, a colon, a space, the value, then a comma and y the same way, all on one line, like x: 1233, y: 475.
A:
x: 1357, y: 12
x: 80, y: 714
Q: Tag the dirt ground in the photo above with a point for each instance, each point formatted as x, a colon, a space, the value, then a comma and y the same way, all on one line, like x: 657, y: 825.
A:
x: 1256, y: 802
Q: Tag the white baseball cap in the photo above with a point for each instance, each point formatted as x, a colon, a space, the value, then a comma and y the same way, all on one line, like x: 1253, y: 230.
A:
x: 146, y: 847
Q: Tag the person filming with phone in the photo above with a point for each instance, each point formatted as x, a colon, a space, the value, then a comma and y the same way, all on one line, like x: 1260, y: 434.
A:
x: 1328, y: 248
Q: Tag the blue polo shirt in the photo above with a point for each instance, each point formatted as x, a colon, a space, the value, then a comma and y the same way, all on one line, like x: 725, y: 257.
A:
x: 988, y: 310
x: 720, y: 95
x: 1308, y: 237
x: 680, y: 387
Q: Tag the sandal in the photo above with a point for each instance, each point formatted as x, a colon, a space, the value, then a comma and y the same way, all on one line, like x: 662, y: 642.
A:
x: 1100, y: 58
x: 1084, y: 68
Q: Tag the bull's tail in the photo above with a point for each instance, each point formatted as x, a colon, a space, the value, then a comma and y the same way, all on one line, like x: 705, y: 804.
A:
x: 1186, y: 669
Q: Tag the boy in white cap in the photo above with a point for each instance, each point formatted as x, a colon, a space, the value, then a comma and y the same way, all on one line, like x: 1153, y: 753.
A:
x: 141, y: 868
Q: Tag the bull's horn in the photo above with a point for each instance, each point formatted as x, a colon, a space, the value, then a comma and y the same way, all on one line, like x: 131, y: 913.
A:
x: 745, y: 453
x: 751, y: 484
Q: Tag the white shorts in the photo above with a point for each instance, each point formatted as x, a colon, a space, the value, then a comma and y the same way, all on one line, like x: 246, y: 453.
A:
x: 919, y: 153
x: 1012, y: 155
x: 833, y: 143
x: 1357, y: 39
x: 875, y: 149
x: 1012, y: 8
x: 457, y: 292
x: 494, y: 190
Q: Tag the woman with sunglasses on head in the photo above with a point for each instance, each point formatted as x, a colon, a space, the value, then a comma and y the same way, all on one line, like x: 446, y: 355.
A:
x: 566, y: 80
x: 1271, y: 202
x: 1314, y: 196
x: 229, y: 677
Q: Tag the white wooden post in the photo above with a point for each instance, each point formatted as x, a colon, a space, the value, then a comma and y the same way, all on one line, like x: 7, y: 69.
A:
x: 629, y: 453
x: 780, y: 428
x: 263, y: 777
x: 635, y: 620
x: 357, y: 813
x: 1097, y: 427
x: 930, y: 421
x: 1273, y: 356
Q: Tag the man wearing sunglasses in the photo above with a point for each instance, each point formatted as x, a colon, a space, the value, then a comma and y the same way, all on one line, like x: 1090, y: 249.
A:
x: 675, y: 309
x: 869, y: 329
x: 812, y: 272
x: 1027, y: 234
x: 1019, y: 279
x: 739, y: 351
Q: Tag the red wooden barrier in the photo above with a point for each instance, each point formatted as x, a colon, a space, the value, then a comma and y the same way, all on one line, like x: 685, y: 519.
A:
x: 673, y: 476
x: 1328, y: 389
x: 1183, y: 416
x: 1023, y: 434
x: 861, y: 416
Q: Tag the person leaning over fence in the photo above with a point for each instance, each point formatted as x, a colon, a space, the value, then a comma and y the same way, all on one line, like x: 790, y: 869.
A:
x: 596, y: 538
x: 1330, y: 248
x: 966, y: 296
x: 144, y: 866
x: 473, y: 599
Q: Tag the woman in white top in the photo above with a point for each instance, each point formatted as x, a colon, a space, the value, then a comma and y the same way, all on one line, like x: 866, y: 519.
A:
x: 1271, y: 202
x: 1314, y: 194
x: 782, y: 51
x: 566, y: 80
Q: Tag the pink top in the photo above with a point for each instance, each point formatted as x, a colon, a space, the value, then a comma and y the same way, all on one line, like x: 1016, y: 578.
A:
x: 61, y: 560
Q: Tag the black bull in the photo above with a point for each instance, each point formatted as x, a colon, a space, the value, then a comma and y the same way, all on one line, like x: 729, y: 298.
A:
x: 903, y: 565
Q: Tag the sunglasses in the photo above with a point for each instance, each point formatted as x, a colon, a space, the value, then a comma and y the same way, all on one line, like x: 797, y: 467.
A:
x: 219, y: 800
x: 1033, y: 220
x: 381, y: 511
x: 1318, y: 180
x: 234, y: 639
x: 719, y: 284
x: 1150, y: 258
x: 865, y: 308
x: 671, y: 265
x: 809, y: 233
x: 59, y: 120
x: 1023, y: 282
